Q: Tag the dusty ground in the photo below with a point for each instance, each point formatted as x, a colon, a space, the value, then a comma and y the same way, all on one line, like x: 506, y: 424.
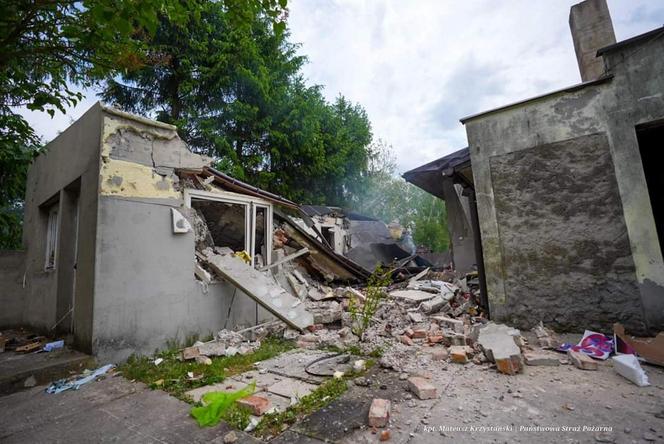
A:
x: 473, y: 397
x: 470, y: 397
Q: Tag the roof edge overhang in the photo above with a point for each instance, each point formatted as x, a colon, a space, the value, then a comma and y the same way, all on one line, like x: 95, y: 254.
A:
x: 569, y: 89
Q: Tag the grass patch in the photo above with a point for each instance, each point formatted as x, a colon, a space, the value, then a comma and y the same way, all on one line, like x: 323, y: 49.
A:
x: 171, y: 374
x: 274, y: 423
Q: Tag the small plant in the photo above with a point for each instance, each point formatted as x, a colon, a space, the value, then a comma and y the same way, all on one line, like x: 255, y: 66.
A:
x: 361, y: 313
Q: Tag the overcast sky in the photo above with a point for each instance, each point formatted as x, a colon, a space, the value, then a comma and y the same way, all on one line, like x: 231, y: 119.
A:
x: 417, y: 66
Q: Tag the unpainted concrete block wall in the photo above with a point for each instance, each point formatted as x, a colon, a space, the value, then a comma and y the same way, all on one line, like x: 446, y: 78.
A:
x: 566, y: 253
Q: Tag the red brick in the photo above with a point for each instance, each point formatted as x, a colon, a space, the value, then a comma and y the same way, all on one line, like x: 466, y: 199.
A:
x: 379, y: 413
x: 385, y: 435
x: 409, y: 332
x: 406, y: 340
x: 422, y: 388
x: 420, y: 333
x: 437, y: 339
x: 458, y: 354
x: 256, y: 404
x: 510, y: 366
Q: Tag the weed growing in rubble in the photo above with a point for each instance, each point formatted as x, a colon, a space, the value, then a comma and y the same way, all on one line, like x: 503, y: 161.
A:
x: 171, y: 375
x: 362, y: 313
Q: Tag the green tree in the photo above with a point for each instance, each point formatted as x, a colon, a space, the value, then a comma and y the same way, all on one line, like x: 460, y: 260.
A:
x: 388, y: 197
x: 236, y: 94
x: 51, y: 48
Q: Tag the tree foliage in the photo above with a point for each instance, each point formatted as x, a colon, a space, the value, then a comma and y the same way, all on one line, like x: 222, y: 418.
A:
x: 236, y: 93
x: 49, y: 48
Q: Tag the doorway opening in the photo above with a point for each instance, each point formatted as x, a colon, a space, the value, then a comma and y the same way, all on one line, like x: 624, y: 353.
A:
x: 651, y: 147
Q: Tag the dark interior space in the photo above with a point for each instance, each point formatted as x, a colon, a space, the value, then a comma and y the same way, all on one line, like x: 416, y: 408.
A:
x: 651, y: 146
x: 225, y: 221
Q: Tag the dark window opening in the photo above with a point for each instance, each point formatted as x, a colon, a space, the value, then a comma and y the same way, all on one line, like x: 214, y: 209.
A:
x: 226, y: 222
x: 328, y: 234
x: 651, y: 146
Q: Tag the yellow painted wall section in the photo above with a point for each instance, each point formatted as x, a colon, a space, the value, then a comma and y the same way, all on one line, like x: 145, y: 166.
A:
x: 129, y: 179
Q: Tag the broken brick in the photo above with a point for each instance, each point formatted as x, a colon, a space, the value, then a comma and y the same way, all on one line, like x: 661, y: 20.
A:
x: 581, y: 360
x: 385, y: 435
x: 420, y: 333
x: 315, y: 327
x: 509, y: 366
x: 409, y: 332
x: 422, y: 388
x: 379, y: 412
x: 256, y: 404
x: 190, y: 353
x: 406, y: 340
x: 458, y: 354
x: 436, y: 339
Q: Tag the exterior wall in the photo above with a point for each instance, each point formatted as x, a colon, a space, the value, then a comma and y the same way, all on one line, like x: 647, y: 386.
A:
x: 529, y: 131
x: 12, y: 295
x: 70, y: 159
x: 145, y: 290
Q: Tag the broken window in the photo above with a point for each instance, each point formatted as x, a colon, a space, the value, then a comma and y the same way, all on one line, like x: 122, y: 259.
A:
x: 51, y: 237
x: 239, y: 222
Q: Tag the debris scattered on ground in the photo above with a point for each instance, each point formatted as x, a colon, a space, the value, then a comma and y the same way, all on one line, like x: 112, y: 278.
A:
x: 628, y: 366
x: 55, y: 345
x: 379, y: 413
x: 499, y: 346
x: 593, y: 344
x: 74, y: 383
x: 422, y: 388
x: 581, y: 360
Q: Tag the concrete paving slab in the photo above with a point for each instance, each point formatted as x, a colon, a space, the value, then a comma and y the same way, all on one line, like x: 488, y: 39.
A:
x: 293, y: 364
x: 110, y: 410
x: 263, y: 380
x: 292, y: 388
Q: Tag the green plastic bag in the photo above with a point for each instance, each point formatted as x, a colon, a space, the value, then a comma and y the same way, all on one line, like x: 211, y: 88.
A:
x: 216, y: 403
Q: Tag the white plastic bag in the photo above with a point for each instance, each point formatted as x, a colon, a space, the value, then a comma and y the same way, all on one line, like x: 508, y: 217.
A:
x: 628, y: 366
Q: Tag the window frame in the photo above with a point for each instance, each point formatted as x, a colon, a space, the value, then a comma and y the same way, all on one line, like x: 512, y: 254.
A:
x: 52, y: 237
x: 251, y: 204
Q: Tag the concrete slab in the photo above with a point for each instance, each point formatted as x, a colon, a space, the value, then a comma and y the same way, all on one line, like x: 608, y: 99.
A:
x: 15, y: 368
x: 414, y: 296
x: 292, y: 388
x: 263, y: 381
x: 293, y: 364
x: 292, y: 437
x: 262, y: 288
x: 110, y: 410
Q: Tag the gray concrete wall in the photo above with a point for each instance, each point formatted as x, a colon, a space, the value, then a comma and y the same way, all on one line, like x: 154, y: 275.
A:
x: 12, y: 293
x: 71, y: 157
x: 611, y: 109
x: 146, y: 294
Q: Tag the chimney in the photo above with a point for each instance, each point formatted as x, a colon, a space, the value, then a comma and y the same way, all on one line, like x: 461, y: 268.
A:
x: 592, y: 29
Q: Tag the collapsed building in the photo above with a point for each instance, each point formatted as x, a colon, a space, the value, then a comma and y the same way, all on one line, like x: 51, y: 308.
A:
x: 127, y: 236
x: 557, y: 197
